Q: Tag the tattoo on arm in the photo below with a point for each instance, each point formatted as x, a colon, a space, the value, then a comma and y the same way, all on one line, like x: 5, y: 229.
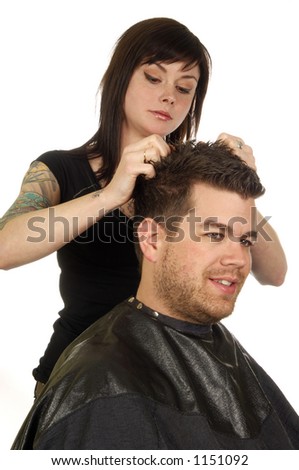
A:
x: 96, y: 193
x: 39, y: 174
x: 39, y: 190
x: 26, y: 202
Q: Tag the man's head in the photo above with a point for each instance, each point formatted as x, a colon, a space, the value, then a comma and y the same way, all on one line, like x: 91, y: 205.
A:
x: 198, y: 224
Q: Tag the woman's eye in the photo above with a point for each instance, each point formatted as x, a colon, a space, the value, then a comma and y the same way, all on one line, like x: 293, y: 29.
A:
x: 183, y: 90
x: 150, y: 78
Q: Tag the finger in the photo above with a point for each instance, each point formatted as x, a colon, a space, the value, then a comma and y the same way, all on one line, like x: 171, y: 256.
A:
x: 234, y: 142
x: 147, y: 170
x: 246, y: 154
x: 151, y: 155
x: 157, y: 142
x: 152, y: 142
x: 239, y: 143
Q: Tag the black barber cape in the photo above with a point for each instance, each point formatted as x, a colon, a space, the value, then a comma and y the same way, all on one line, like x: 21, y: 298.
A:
x: 137, y: 379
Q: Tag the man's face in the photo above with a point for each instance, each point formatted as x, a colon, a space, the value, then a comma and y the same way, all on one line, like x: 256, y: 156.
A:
x: 199, y: 274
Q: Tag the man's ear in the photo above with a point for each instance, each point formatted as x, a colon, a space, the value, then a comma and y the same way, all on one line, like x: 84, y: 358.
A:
x: 150, y: 234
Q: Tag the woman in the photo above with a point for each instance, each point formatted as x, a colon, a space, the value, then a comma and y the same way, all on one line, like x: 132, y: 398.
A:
x: 151, y: 95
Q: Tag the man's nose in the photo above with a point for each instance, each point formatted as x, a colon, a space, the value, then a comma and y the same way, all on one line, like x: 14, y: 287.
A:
x: 235, y: 254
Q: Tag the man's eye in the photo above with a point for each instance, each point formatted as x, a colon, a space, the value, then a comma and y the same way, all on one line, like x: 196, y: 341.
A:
x: 215, y: 236
x: 246, y: 242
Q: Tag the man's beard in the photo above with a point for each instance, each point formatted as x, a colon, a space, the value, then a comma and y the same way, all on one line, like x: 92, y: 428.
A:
x: 188, y: 298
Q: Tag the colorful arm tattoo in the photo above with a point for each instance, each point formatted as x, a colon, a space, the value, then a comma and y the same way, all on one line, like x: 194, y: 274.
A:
x: 26, y: 202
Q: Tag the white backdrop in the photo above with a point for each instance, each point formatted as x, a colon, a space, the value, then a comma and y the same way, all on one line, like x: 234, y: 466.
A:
x: 53, y: 54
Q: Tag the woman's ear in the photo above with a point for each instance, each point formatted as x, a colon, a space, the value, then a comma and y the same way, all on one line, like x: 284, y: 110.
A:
x: 149, y: 237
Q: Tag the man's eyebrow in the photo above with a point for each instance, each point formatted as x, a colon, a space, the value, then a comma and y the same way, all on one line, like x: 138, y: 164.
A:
x: 183, y: 76
x: 251, y: 234
x: 211, y: 222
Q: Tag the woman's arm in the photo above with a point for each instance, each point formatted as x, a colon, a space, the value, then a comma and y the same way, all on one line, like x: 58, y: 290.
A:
x: 269, y: 264
x: 37, y: 224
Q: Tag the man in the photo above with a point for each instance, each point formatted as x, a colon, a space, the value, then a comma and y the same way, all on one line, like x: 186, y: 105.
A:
x: 160, y: 371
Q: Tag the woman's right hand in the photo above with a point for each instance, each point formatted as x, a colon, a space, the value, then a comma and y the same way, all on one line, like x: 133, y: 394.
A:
x: 135, y: 160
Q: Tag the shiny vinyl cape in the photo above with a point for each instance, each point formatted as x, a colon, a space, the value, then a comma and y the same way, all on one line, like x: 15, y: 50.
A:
x: 137, y: 379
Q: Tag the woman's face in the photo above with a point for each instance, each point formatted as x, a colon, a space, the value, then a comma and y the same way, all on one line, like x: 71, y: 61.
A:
x: 158, y: 98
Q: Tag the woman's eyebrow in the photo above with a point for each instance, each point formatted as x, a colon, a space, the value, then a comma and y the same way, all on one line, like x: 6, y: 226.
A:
x: 183, y: 76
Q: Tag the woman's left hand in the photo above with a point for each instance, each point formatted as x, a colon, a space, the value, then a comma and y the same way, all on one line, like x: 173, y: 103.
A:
x: 239, y: 148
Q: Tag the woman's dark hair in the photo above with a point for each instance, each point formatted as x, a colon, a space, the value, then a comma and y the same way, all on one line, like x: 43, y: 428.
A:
x: 149, y: 41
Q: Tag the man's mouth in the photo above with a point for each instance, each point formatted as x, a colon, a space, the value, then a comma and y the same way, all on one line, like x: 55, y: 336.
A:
x: 226, y: 286
x: 224, y: 282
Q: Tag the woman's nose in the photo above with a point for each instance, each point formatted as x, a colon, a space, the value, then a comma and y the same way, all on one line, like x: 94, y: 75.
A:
x: 168, y: 95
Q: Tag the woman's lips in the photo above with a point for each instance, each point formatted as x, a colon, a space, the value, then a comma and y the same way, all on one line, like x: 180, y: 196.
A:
x: 164, y: 116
